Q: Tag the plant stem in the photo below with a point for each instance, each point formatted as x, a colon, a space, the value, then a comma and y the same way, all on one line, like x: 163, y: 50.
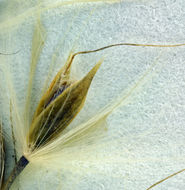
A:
x: 21, y: 164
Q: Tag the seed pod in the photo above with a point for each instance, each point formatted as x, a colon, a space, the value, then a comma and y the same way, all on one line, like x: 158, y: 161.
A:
x: 60, y: 112
x: 57, y: 86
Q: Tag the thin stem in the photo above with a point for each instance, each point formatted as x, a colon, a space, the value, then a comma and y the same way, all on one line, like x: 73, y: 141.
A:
x: 165, y: 179
x: 21, y: 164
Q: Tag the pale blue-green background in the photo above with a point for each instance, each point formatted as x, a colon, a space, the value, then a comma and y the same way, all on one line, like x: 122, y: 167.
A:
x: 151, y: 123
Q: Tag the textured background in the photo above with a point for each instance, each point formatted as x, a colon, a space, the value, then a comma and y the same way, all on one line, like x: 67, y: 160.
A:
x: 145, y: 136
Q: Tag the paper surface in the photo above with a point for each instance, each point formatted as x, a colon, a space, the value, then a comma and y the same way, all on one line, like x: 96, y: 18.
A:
x: 147, y: 130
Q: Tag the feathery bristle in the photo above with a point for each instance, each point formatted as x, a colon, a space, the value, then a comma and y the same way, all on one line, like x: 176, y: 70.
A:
x: 2, y: 156
x: 37, y: 45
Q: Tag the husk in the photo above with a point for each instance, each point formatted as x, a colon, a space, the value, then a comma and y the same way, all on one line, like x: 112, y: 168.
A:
x: 63, y: 76
x: 60, y: 113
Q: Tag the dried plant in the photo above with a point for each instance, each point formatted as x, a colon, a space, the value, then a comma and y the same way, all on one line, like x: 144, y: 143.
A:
x: 57, y: 108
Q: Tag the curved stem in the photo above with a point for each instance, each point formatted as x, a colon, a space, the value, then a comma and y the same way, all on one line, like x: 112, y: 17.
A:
x: 120, y: 44
x: 21, y: 164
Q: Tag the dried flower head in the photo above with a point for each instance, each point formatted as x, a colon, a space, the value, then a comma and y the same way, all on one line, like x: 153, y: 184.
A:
x: 59, y: 105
